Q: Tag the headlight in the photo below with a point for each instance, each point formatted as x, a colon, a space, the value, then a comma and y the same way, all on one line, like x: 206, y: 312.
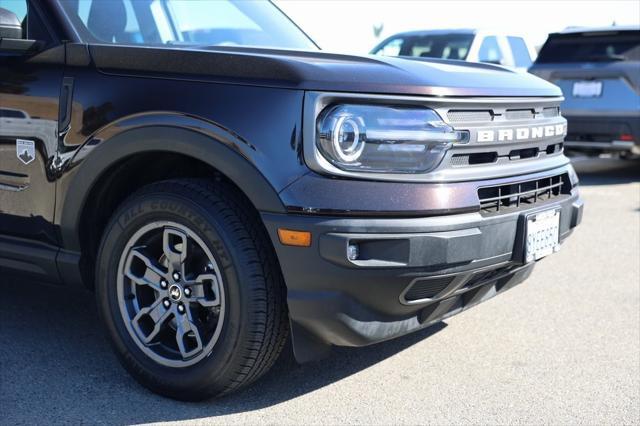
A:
x: 380, y: 139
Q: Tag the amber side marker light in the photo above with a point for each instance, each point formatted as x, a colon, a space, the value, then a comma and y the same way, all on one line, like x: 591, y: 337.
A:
x: 294, y: 238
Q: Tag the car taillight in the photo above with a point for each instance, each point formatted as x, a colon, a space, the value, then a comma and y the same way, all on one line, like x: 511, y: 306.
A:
x: 626, y: 137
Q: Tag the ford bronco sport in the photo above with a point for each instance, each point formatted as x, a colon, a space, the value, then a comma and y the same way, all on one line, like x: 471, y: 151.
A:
x: 221, y: 184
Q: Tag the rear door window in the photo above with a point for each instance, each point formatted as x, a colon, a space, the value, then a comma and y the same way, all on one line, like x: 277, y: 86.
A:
x: 490, y: 51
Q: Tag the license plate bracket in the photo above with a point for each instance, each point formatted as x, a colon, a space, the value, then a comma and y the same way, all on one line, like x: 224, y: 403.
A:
x: 542, y: 234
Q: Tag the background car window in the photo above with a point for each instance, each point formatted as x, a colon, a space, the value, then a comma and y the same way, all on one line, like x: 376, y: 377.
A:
x: 392, y: 48
x: 445, y: 46
x: 624, y: 46
x: 520, y: 52
x: 12, y: 113
x: 421, y: 48
x: 490, y: 51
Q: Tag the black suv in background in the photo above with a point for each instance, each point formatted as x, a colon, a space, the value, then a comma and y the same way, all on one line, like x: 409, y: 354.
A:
x: 222, y: 184
x: 598, y: 70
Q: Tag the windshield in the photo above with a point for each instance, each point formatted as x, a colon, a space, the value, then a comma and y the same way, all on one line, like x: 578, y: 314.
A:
x: 444, y: 46
x: 591, y: 47
x: 185, y: 22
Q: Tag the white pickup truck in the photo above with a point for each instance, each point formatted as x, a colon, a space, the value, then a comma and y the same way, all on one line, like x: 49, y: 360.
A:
x: 471, y: 45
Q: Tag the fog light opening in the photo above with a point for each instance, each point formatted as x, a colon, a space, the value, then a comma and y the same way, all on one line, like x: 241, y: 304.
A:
x: 353, y: 252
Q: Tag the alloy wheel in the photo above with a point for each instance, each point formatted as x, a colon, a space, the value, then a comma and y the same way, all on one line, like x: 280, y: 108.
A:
x: 171, y: 294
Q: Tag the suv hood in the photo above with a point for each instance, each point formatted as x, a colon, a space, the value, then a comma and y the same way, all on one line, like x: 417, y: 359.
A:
x: 321, y: 71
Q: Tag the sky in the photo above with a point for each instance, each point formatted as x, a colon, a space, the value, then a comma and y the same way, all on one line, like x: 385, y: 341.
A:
x: 346, y: 26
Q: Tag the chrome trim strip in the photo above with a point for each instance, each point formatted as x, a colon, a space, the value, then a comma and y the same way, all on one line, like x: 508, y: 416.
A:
x: 422, y: 100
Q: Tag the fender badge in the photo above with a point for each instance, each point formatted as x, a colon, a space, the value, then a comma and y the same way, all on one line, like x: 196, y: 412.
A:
x: 25, y: 150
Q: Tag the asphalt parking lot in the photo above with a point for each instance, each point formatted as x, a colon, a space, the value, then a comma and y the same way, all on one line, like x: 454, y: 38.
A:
x: 562, y: 348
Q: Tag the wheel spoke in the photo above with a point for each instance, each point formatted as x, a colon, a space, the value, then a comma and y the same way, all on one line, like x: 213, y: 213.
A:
x: 187, y: 336
x: 157, y: 313
x: 171, y: 293
x: 174, y: 247
x: 153, y: 272
x: 206, y: 290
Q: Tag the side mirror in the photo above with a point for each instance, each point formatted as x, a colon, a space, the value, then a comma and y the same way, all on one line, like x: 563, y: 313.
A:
x: 10, y: 26
x: 11, y: 40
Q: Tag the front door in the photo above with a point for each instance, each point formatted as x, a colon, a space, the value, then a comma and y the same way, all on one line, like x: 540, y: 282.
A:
x: 29, y: 97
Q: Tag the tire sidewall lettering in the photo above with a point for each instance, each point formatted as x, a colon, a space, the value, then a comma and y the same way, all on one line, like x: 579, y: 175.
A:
x: 172, y: 209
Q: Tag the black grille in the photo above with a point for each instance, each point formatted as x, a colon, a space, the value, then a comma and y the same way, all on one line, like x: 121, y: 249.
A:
x: 522, y: 154
x: 427, y: 288
x: 487, y: 276
x: 510, y: 197
x: 554, y: 149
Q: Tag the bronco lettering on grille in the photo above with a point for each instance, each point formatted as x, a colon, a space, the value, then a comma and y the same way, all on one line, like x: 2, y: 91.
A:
x: 521, y: 133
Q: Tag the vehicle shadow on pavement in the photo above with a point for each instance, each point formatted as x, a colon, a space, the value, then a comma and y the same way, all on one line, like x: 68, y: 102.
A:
x: 606, y: 171
x: 56, y: 366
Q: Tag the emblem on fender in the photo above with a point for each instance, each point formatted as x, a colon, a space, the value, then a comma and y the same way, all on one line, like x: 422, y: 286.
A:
x: 25, y: 151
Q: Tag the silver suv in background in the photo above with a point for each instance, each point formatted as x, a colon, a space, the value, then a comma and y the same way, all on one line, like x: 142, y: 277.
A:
x: 598, y: 70
x: 470, y: 45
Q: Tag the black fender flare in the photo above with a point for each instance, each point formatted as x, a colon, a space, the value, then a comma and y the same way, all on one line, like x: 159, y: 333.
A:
x: 217, y: 147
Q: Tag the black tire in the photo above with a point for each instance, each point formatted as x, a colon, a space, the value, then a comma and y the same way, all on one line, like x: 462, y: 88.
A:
x: 255, y: 322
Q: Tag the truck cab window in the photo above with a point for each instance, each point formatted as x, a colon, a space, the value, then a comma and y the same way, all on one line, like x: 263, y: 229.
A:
x: 490, y: 51
x: 520, y: 52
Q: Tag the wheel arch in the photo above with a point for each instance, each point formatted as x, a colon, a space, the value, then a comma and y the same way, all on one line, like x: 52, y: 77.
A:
x: 222, y: 154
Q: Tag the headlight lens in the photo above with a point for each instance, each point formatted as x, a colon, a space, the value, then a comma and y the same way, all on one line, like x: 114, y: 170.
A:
x: 381, y: 139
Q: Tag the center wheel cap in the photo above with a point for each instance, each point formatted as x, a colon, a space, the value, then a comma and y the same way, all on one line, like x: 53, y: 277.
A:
x: 175, y: 292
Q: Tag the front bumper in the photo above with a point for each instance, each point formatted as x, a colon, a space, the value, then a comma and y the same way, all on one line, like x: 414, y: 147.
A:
x: 611, y: 146
x: 411, y: 272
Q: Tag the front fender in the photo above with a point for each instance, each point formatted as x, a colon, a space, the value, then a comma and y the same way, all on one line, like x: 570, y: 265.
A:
x: 215, y: 146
